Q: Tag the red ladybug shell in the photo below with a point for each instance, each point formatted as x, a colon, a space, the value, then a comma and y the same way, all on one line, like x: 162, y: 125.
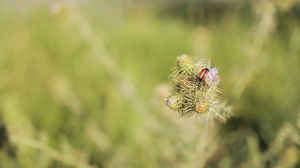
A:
x: 202, y: 73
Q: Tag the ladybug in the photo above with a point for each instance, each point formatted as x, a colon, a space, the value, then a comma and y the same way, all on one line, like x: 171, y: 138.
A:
x: 202, y: 73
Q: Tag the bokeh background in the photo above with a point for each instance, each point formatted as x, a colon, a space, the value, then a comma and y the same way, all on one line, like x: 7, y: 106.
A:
x: 83, y: 83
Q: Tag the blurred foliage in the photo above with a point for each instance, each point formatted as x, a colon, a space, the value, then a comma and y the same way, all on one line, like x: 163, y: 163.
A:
x: 83, y: 84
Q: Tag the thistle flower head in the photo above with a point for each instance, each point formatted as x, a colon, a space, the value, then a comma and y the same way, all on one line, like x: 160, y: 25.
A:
x: 202, y: 104
x: 194, y: 93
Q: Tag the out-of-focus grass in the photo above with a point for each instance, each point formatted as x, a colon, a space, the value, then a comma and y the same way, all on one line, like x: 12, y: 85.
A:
x: 73, y: 96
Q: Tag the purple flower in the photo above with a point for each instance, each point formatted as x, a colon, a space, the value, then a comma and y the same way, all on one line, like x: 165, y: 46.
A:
x: 212, y: 78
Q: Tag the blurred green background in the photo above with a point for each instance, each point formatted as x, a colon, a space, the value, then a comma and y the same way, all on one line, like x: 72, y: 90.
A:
x: 83, y: 84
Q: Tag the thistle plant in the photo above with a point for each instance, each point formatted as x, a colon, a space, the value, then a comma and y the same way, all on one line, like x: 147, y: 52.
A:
x: 194, y: 89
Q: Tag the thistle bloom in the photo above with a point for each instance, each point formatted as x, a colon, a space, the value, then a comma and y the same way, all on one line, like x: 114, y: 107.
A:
x: 212, y: 78
x: 194, y: 93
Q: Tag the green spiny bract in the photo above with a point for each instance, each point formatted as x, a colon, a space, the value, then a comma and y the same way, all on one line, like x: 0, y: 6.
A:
x: 192, y: 96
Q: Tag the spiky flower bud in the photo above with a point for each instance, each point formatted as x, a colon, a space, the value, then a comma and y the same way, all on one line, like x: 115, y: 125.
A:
x: 184, y: 65
x: 174, y: 102
x: 195, y: 91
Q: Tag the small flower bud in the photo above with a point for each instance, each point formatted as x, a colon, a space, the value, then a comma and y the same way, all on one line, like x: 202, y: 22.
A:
x: 184, y: 65
x: 174, y: 102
